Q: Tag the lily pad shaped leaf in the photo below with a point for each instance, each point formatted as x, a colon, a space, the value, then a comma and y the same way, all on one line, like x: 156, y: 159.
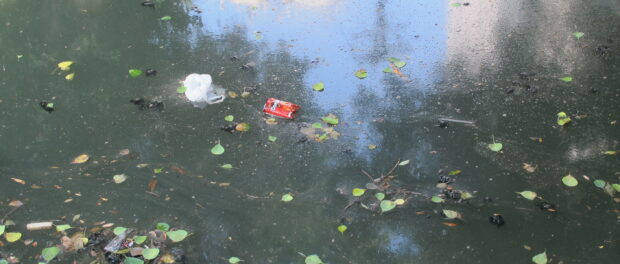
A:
x: 578, y: 35
x: 567, y: 79
x: 287, y: 197
x: 342, y: 228
x: 563, y: 119
x: 229, y: 118
x: 135, y: 73
x: 131, y: 260
x: 528, y: 195
x: 319, y: 87
x: 361, y: 74
x: 217, y: 149
x: 2, y: 227
x: 119, y: 230
x: 358, y: 192
x: 450, y: 214
x: 139, y: 239
x: 12, y: 237
x: 163, y: 227
x: 437, y: 199
x: 234, y: 260
x: 403, y: 163
x: 387, y: 205
x: 181, y: 89
x: 600, y: 183
x: 540, y: 258
x: 331, y: 119
x: 496, y: 147
x: 570, y: 181
x: 150, y: 253
x: 272, y: 138
x: 380, y: 196
x: 313, y: 259
x: 177, y: 235
x: 50, y: 253
x: 65, y: 65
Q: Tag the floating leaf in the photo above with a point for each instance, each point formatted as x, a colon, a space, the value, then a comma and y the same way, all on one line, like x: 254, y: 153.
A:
x: 272, y: 138
x: 451, y: 214
x: 387, y: 70
x: 313, y: 259
x: 456, y: 4
x: 49, y: 105
x: 317, y: 125
x: 217, y: 149
x: 342, y: 228
x: 181, y: 89
x: 258, y: 35
x: 496, y: 147
x: 132, y: 260
x: 529, y: 167
x: 610, y: 152
x: 358, y: 192
x: 163, y: 226
x: 319, y: 87
x: 454, y: 172
x: 466, y: 195
x: 437, y: 199
x: 165, y: 18
x: 563, y: 119
x: 397, y: 62
x: 139, y: 239
x: 119, y: 178
x: 287, y: 197
x: 80, y: 159
x: 12, y: 236
x: 570, y: 181
x: 578, y: 35
x: 227, y: 166
x: 158, y: 170
x: 177, y: 235
x: 234, y: 260
x: 2, y: 227
x: 331, y: 119
x: 60, y: 228
x: 403, y: 163
x: 540, y: 258
x: 567, y: 79
x: 387, y: 205
x: 616, y: 187
x: 243, y: 127
x: 70, y: 76
x: 361, y: 74
x: 50, y: 253
x: 119, y: 230
x: 528, y: 195
x: 600, y: 183
x: 372, y: 146
x: 380, y: 196
x: 150, y: 253
x: 135, y: 72
x: 399, y: 201
x: 16, y: 203
x: 4, y: 261
x: 65, y: 65
x: 229, y: 118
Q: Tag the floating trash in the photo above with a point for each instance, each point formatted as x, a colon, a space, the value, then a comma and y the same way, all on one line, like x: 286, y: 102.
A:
x: 279, y: 108
x: 200, y: 90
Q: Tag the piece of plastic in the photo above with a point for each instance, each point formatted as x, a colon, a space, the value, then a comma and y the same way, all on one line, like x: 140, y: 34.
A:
x: 200, y: 90
x: 281, y: 109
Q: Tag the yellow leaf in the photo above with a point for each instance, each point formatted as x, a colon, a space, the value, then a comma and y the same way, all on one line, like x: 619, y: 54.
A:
x: 65, y: 65
x: 12, y: 237
x: 399, y: 201
x: 80, y: 159
x: 70, y: 76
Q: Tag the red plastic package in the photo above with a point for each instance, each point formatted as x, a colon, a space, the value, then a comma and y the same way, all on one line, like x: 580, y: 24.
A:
x: 280, y: 108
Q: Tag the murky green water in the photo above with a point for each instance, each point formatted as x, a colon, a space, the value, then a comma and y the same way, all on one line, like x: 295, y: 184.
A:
x: 462, y: 61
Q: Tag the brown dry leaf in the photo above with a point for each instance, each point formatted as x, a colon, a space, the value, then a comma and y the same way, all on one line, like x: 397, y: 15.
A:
x: 529, y: 168
x: 108, y: 225
x: 152, y: 185
x: 27, y: 242
x: 34, y: 186
x: 223, y: 184
x: 80, y: 159
x: 123, y: 152
x: 178, y: 170
x: 526, y: 247
x: 57, y: 187
x: 20, y: 181
x: 449, y: 224
x: 35, y: 244
x: 66, y: 243
x: 142, y: 165
x: 68, y: 200
x: 16, y: 203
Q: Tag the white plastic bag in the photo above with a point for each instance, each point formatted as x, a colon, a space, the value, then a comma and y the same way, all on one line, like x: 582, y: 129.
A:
x: 200, y: 90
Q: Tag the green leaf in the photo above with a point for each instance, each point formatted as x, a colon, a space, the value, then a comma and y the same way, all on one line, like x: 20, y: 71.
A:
x: 50, y: 253
x: 272, y: 138
x: 403, y: 163
x: 243, y: 127
x: 132, y: 260
x: 313, y: 259
x: 610, y: 152
x: 454, y: 172
x: 12, y: 236
x: 387, y: 70
x: 600, y: 183
x: 578, y: 35
x: 229, y: 118
x: 528, y: 195
x: 331, y: 119
x: 496, y: 147
x: 466, y: 195
x: 150, y: 253
x: 380, y: 196
x: 456, y: 4
x: 119, y: 230
x: 397, y: 62
x: 177, y: 235
x: 317, y: 125
x: 567, y: 79
x: 616, y: 187
x: 3, y: 261
x: 387, y: 205
x: 319, y: 87
x: 49, y: 105
x: 570, y: 181
x: 2, y: 227
x: 227, y: 166
x: 158, y: 170
x: 437, y: 199
x: 60, y: 228
x: 135, y: 73
x: 287, y: 197
x: 357, y: 192
x: 451, y: 214
x: 139, y: 239
x: 342, y: 228
x: 361, y: 74
x: 540, y: 258
x: 217, y: 149
x: 234, y: 260
x: 163, y: 226
x: 563, y: 119
x: 165, y: 18
x: 372, y: 146
x: 258, y: 35
x: 181, y: 89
